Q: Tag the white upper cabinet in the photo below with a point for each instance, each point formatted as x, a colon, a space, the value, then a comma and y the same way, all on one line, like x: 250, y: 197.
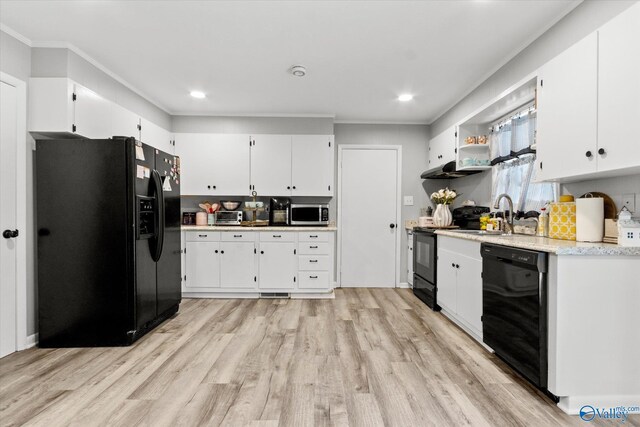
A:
x: 312, y: 165
x: 619, y: 91
x: 124, y: 122
x: 442, y: 148
x: 156, y: 136
x: 92, y: 114
x: 271, y: 164
x: 567, y: 111
x: 214, y: 164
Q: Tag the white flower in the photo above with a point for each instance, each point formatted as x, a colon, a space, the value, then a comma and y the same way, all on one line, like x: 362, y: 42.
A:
x: 434, y: 195
x: 441, y: 193
x: 452, y: 194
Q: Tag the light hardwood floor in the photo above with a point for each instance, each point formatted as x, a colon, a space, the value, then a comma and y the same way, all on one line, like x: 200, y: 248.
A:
x: 368, y: 358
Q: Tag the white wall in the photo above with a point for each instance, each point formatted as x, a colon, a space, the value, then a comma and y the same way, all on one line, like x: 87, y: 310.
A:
x: 413, y: 139
x: 255, y: 125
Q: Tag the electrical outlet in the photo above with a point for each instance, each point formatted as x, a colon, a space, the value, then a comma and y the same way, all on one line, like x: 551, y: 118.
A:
x: 408, y: 200
x: 629, y: 200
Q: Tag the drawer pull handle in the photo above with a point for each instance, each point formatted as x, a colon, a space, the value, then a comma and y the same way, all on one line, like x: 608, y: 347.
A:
x: 237, y: 235
x: 313, y: 236
x: 277, y: 235
x: 313, y: 247
x: 313, y: 277
x: 313, y: 260
x: 202, y: 235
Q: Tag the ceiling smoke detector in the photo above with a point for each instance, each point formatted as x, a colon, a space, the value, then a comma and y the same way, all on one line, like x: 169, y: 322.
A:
x: 298, y: 71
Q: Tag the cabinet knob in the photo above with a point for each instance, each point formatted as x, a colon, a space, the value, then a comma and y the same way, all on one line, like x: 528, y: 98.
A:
x: 221, y: 252
x: 392, y: 226
x: 261, y: 252
x: 214, y: 187
x: 601, y: 151
x: 453, y: 265
x: 216, y: 251
x: 294, y: 187
x: 588, y: 154
x: 208, y: 187
x: 288, y: 187
x: 457, y: 265
x: 10, y: 234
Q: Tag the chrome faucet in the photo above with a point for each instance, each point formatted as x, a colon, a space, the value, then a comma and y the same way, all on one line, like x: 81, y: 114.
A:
x: 508, y: 229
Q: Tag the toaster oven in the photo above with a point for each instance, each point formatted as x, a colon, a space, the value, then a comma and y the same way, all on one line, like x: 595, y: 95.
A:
x: 228, y: 218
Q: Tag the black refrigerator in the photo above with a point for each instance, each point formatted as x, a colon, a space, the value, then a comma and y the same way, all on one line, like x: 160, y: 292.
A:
x: 108, y: 224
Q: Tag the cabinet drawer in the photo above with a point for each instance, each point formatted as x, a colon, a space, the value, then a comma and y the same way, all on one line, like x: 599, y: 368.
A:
x: 237, y: 236
x: 313, y: 263
x: 313, y: 248
x: 203, y: 236
x: 313, y: 280
x: 276, y: 236
x: 313, y: 236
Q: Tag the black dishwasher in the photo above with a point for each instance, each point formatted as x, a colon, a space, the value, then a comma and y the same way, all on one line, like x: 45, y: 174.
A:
x: 514, y: 308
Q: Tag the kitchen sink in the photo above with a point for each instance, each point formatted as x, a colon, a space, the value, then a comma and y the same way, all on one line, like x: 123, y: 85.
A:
x: 487, y: 233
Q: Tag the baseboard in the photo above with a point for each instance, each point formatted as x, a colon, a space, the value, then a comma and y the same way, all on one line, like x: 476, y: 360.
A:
x: 31, y: 341
x: 404, y: 285
x: 320, y: 295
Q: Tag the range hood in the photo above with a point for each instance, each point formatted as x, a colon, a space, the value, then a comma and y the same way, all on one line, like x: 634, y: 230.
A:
x: 446, y: 171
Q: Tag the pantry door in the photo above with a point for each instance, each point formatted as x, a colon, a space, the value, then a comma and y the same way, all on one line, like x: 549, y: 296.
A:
x: 369, y: 215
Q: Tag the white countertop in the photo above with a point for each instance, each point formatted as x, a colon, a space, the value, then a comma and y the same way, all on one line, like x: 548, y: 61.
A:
x: 267, y: 228
x: 544, y: 244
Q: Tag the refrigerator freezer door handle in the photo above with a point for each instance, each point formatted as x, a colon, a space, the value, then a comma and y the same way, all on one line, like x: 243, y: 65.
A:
x: 158, y: 241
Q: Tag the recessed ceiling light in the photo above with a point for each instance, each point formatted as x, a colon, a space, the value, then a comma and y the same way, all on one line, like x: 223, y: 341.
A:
x: 405, y: 97
x: 298, y: 70
x: 197, y: 94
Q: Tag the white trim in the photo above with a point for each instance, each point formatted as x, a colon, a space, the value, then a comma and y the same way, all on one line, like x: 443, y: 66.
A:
x: 398, y: 149
x: 21, y: 209
x: 30, y: 341
x: 405, y: 285
x: 260, y: 115
x: 16, y: 35
x: 380, y: 122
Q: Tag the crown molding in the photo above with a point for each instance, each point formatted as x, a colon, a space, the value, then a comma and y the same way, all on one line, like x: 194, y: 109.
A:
x: 16, y: 35
x: 379, y: 122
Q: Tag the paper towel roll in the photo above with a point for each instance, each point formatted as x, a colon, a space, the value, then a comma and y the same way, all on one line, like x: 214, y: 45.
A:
x: 590, y: 219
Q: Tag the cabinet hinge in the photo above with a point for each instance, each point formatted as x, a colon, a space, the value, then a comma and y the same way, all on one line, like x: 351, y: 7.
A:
x: 73, y: 128
x: 456, y: 134
x: 255, y: 278
x: 255, y: 251
x: 455, y: 150
x: 139, y: 127
x: 74, y: 97
x: 185, y: 277
x: 294, y: 279
x: 329, y: 188
x: 541, y: 83
x: 294, y: 251
x: 540, y: 165
x: 249, y: 142
x: 329, y: 143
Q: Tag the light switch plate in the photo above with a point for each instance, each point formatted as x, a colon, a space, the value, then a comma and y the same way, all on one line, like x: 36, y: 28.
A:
x: 408, y: 200
x: 629, y: 200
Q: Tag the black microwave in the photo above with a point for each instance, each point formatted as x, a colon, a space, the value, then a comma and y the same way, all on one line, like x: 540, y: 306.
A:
x: 309, y: 214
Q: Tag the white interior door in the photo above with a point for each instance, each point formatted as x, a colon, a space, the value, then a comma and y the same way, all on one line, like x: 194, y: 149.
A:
x: 8, y: 158
x: 368, y: 204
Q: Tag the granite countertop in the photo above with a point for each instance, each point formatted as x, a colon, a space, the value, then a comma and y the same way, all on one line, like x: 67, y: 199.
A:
x: 544, y: 244
x: 267, y: 228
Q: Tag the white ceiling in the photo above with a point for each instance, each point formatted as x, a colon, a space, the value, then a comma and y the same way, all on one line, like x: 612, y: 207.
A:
x: 360, y: 55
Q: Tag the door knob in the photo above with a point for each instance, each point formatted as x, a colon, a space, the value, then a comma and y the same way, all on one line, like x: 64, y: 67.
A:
x: 10, y: 234
x: 392, y: 225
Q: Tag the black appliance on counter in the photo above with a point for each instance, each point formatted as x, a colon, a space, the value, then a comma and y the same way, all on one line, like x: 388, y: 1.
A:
x: 514, y: 308
x: 424, y: 266
x: 108, y: 221
x: 468, y: 217
x: 279, y: 209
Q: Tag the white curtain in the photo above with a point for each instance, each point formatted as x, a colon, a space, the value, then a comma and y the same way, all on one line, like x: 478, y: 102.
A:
x: 500, y: 141
x: 514, y: 178
x: 522, y: 131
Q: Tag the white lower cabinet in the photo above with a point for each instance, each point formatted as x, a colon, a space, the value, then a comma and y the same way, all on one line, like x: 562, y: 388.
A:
x: 237, y: 265
x: 460, y: 282
x: 251, y: 262
x: 277, y: 262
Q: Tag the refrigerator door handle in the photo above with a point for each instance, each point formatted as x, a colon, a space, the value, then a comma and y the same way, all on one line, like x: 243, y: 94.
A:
x: 156, y: 251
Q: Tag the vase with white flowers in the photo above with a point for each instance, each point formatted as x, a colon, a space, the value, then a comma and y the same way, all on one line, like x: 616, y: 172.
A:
x: 443, y: 198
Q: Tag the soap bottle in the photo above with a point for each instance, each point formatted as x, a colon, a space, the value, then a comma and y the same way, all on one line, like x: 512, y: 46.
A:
x: 543, y: 223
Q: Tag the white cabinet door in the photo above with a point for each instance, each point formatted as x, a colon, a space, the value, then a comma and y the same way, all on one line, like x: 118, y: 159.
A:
x: 447, y: 280
x: 92, y: 116
x: 124, y: 122
x: 155, y: 136
x: 271, y: 164
x: 619, y: 91
x: 50, y: 105
x: 237, y: 265
x: 567, y: 111
x: 213, y: 164
x: 469, y: 291
x: 203, y: 265
x: 312, y: 165
x: 277, y: 265
x: 442, y: 148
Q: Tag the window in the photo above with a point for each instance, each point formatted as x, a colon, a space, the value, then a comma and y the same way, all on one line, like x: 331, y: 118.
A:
x: 513, y: 157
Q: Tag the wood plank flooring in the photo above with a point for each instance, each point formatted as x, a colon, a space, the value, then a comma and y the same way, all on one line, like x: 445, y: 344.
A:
x: 371, y: 357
